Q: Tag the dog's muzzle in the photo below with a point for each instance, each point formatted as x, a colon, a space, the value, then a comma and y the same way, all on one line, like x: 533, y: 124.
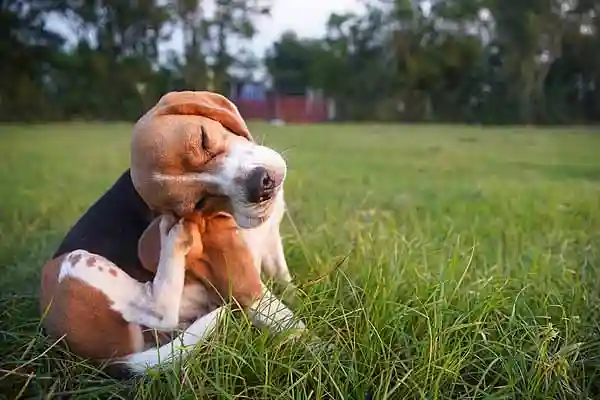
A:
x: 262, y: 184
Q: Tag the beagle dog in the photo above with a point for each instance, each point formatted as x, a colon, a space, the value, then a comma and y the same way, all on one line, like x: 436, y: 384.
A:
x: 194, y: 221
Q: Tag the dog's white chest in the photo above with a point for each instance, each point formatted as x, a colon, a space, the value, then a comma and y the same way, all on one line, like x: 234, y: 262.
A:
x: 264, y: 239
x: 255, y: 239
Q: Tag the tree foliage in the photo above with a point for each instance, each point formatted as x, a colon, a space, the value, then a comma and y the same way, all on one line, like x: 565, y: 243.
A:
x: 486, y: 61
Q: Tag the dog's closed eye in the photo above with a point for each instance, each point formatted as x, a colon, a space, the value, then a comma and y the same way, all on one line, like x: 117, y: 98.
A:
x: 206, y: 143
x: 205, y: 140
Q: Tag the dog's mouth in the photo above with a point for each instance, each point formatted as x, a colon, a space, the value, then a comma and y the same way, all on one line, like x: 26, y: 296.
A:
x: 250, y: 215
x: 247, y: 215
x: 269, y: 194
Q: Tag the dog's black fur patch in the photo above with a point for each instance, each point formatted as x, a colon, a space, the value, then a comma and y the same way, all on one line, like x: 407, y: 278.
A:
x: 111, y: 228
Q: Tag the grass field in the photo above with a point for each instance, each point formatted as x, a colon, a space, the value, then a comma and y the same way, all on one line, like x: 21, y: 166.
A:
x: 472, y: 270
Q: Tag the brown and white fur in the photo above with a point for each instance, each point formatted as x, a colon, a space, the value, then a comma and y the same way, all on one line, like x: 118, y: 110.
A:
x: 103, y: 312
x: 179, y: 156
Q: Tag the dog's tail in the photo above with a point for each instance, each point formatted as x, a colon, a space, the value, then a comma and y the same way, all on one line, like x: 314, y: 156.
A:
x: 138, y: 363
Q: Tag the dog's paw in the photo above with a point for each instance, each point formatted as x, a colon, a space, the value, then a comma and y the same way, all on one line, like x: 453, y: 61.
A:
x: 175, y: 235
x: 166, y: 223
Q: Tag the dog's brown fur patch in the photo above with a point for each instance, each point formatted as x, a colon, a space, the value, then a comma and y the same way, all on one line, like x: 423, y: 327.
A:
x: 83, y: 315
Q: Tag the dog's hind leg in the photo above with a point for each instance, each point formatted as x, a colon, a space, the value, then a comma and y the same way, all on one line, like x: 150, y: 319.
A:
x: 153, y: 304
x: 157, y: 305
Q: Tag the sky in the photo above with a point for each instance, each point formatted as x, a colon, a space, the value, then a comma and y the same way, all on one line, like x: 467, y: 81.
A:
x: 306, y: 17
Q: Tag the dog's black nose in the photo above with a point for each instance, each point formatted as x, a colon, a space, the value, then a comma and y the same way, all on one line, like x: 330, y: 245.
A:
x: 261, y: 185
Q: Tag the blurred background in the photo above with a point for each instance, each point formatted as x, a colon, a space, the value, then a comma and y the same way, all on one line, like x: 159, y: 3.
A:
x: 470, y: 61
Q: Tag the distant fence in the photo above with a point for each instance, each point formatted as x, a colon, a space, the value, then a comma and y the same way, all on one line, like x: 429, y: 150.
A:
x: 291, y: 109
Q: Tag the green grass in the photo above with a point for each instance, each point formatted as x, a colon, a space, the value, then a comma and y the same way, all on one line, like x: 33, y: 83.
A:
x: 472, y: 267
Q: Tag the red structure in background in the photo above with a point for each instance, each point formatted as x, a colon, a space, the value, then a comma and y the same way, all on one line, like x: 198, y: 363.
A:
x: 291, y: 109
x: 269, y: 105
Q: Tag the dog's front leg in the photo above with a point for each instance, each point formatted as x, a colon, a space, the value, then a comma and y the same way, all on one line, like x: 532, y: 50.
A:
x: 273, y: 261
x: 270, y: 312
x: 157, y: 304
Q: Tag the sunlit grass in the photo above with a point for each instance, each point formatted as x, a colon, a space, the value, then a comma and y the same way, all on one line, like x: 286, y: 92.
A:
x: 468, y: 265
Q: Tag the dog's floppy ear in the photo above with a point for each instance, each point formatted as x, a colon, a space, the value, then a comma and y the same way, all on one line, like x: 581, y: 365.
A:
x: 231, y: 261
x: 206, y: 104
x: 219, y: 255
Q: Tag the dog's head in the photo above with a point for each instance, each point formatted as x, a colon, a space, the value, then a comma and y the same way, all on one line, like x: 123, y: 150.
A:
x: 219, y: 257
x: 192, y: 145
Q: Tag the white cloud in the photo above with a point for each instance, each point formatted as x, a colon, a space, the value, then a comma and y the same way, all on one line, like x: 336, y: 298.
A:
x: 306, y: 17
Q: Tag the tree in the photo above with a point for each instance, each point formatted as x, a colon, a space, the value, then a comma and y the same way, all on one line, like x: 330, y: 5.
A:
x: 489, y: 61
x: 290, y: 63
x: 233, y: 20
x: 29, y: 51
